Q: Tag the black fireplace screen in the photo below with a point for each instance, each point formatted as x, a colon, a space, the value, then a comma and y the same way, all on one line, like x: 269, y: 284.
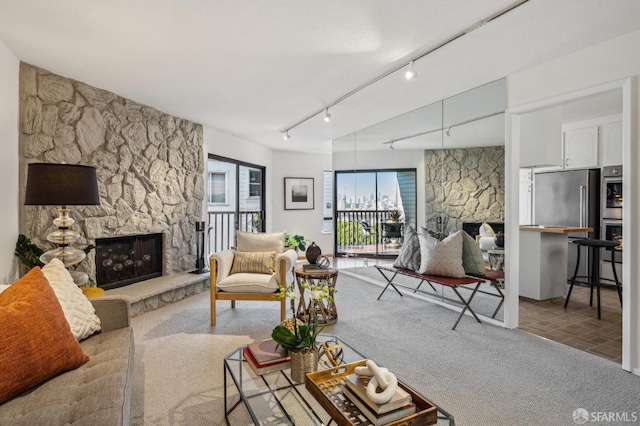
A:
x: 128, y: 259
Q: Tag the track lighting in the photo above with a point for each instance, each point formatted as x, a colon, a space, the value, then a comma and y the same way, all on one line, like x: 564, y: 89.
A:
x: 411, y: 73
x: 391, y: 146
x: 448, y: 131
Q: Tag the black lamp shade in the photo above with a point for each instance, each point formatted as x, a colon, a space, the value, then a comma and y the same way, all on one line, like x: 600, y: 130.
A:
x: 61, y: 185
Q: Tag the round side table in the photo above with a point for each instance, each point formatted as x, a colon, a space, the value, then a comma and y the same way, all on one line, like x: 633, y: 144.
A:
x: 327, y: 310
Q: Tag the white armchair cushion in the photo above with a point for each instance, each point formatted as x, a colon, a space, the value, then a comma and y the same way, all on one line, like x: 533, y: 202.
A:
x: 249, y: 241
x: 252, y: 282
x: 291, y: 257
x: 486, y: 243
x: 486, y: 230
x: 225, y: 262
x: 249, y: 283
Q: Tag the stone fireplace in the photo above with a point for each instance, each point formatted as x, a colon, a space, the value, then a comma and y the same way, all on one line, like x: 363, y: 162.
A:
x: 150, y: 165
x: 128, y: 259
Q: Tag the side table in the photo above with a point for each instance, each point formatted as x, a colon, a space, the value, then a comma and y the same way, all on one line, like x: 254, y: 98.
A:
x: 328, y: 310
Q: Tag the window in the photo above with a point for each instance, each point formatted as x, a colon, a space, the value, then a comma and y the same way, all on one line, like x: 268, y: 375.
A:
x: 255, y: 183
x: 218, y: 188
x: 327, y: 201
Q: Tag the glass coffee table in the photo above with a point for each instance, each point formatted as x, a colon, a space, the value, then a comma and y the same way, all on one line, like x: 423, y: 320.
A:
x: 275, y: 399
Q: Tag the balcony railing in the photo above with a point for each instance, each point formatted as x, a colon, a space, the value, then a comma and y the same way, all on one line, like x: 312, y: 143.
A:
x: 356, y: 230
x: 222, y: 227
x: 363, y: 231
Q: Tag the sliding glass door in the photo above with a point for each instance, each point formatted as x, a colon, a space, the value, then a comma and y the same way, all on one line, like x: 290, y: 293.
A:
x: 372, y: 209
x: 235, y: 196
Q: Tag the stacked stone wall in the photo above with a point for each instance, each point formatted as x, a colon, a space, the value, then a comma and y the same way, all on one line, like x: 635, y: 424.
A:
x: 149, y: 164
x: 463, y: 185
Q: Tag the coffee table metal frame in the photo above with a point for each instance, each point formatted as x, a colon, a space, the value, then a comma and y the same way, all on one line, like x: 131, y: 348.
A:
x: 278, y: 385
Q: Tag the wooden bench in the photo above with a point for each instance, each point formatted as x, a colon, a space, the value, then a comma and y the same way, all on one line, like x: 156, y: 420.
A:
x: 389, y: 273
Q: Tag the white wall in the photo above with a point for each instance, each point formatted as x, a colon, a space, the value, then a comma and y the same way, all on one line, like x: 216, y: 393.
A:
x: 600, y: 65
x: 9, y: 190
x: 230, y: 146
x: 606, y: 62
x: 302, y: 222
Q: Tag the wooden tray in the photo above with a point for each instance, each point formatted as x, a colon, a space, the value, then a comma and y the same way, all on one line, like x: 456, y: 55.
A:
x: 325, y: 386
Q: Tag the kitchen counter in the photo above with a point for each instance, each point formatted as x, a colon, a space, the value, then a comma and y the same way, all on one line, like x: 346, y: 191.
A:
x: 552, y: 229
x: 543, y: 260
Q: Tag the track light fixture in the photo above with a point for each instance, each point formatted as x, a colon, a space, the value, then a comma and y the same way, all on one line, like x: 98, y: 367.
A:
x: 411, y: 73
x: 448, y: 131
x: 391, y: 146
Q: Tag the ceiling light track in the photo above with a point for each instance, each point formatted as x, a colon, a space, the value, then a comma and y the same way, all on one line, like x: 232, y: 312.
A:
x: 467, y: 30
x: 447, y: 130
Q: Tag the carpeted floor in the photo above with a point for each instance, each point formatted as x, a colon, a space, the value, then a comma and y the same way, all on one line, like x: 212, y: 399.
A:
x: 482, y: 374
x: 484, y: 304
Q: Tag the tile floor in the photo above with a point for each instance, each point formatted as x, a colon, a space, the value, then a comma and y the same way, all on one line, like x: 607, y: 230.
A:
x: 578, y: 325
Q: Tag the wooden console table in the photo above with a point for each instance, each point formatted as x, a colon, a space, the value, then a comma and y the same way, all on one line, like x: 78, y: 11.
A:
x: 328, y: 310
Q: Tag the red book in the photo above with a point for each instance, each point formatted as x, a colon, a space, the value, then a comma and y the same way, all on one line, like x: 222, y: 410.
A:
x: 268, y: 352
x: 260, y: 369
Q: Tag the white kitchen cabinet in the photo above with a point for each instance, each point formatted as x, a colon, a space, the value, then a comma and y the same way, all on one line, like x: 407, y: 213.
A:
x: 612, y: 144
x: 581, y: 148
x: 526, y: 197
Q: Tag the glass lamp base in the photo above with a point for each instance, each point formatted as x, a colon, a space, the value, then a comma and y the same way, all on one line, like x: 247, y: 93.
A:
x: 68, y: 255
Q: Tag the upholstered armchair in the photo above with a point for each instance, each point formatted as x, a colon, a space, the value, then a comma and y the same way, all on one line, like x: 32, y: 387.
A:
x: 253, y: 271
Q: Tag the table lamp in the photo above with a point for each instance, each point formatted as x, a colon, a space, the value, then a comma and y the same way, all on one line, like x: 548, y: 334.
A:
x: 63, y: 185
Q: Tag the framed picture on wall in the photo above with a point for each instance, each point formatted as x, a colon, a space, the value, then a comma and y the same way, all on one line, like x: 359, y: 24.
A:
x: 298, y: 193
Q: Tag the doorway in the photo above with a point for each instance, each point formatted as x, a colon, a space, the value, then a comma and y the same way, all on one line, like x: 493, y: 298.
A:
x: 587, y: 125
x: 235, y: 200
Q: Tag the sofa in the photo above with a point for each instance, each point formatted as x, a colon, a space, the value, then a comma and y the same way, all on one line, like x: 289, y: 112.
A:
x: 98, y: 392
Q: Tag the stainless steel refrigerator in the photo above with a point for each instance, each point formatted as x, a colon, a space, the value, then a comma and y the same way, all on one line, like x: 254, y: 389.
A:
x: 569, y: 198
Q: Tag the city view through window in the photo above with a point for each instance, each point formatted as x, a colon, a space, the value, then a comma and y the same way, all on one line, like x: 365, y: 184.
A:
x: 357, y: 191
x: 372, y: 208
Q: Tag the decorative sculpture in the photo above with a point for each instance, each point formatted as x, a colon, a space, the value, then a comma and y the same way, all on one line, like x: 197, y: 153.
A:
x: 380, y: 378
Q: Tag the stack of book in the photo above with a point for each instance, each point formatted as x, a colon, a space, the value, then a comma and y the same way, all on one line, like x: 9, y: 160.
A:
x: 399, y: 406
x: 266, y: 357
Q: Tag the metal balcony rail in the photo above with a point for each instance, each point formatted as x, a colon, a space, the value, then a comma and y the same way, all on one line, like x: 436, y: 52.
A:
x: 223, y: 225
x: 361, y: 228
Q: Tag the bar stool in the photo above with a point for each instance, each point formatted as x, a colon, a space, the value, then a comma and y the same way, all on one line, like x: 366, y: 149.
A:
x: 594, y: 279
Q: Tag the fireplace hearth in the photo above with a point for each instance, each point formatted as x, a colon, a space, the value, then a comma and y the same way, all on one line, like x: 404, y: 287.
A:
x: 128, y: 259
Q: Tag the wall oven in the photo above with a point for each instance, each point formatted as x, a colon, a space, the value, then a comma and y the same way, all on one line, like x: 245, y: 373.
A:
x: 612, y: 212
x: 612, y: 192
x: 612, y: 231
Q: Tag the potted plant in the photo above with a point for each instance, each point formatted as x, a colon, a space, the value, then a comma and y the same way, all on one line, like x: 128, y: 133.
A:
x: 297, y: 241
x: 300, y: 339
x: 394, y: 215
x: 392, y: 228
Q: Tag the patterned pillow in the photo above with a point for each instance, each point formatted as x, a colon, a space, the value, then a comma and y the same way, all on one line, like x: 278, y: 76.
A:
x: 442, y: 258
x: 36, y: 341
x: 472, y: 259
x: 409, y: 257
x: 78, y: 311
x: 255, y: 262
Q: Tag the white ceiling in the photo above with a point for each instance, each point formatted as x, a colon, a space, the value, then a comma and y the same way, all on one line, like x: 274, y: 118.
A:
x: 252, y: 68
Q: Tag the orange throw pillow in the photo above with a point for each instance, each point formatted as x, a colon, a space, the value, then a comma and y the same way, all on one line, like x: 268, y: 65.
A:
x: 35, y: 339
